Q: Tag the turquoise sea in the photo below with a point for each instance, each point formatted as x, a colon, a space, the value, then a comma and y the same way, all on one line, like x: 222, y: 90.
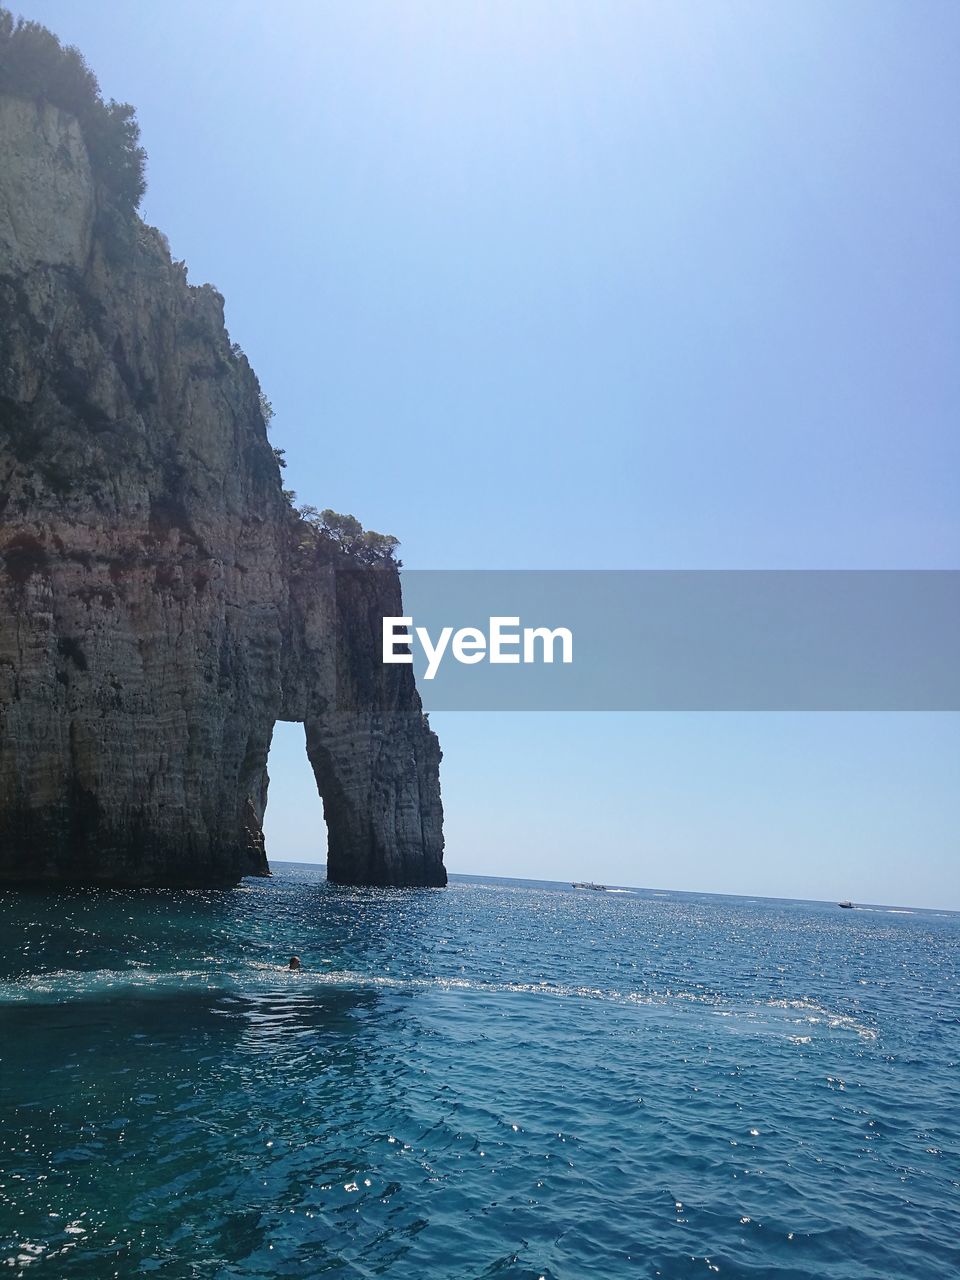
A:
x: 500, y: 1079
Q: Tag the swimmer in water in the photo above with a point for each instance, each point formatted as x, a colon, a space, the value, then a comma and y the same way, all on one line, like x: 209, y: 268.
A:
x: 294, y: 963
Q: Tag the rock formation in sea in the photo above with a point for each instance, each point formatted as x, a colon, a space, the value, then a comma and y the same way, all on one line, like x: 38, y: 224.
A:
x: 160, y: 608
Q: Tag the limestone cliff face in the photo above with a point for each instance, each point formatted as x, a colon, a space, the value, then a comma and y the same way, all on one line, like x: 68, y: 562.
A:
x: 157, y: 616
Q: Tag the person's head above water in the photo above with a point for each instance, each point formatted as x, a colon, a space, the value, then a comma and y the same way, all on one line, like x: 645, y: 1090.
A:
x: 294, y: 962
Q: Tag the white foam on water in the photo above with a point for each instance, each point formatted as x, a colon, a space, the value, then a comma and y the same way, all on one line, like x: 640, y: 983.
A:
x: 259, y: 978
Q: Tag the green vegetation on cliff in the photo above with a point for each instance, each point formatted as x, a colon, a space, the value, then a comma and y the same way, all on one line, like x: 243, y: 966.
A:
x: 35, y: 65
x: 365, y: 546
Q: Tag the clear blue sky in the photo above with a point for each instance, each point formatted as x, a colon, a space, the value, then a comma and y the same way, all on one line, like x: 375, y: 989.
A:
x: 597, y: 285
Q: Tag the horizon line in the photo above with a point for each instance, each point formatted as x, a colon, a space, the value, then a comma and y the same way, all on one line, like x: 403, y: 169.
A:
x: 632, y: 888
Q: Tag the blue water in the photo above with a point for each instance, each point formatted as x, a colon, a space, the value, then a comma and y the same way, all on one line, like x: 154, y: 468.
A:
x: 500, y: 1079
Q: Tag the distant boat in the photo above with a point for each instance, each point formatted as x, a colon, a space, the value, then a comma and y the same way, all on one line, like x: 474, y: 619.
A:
x: 846, y: 905
x: 582, y: 884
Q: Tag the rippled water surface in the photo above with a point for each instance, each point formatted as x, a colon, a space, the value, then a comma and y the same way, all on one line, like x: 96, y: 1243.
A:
x: 500, y: 1079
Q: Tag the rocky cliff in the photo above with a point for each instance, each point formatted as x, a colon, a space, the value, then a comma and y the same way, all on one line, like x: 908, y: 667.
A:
x: 159, y: 612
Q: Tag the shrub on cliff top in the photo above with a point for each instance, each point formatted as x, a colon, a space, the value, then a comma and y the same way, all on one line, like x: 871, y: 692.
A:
x: 365, y: 545
x: 34, y: 64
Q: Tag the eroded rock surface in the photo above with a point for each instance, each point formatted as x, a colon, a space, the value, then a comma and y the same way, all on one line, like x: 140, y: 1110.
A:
x: 157, y: 614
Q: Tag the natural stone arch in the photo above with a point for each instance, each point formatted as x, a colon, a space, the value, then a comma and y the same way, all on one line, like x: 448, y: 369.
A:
x: 157, y: 615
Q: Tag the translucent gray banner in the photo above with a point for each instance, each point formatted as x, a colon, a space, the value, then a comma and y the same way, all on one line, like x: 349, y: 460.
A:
x: 678, y: 640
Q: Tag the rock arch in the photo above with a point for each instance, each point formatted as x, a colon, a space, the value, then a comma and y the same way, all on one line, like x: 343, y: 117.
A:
x: 158, y: 614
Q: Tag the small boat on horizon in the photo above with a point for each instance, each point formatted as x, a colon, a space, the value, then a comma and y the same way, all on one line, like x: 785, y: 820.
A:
x: 848, y: 906
x: 583, y: 884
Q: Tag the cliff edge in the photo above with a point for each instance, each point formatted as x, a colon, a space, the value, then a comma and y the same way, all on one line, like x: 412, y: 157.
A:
x: 158, y: 611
